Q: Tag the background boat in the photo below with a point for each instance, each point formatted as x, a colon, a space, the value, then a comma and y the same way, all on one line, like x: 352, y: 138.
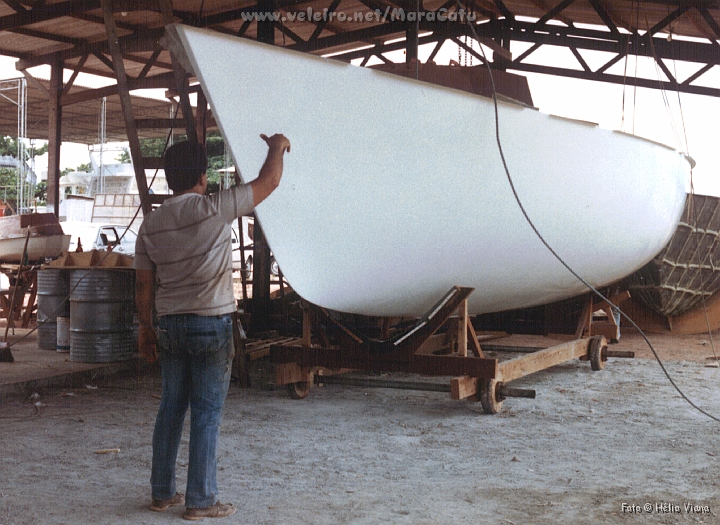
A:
x: 46, y: 239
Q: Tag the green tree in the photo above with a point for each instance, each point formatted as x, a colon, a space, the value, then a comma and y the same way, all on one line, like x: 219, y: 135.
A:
x: 41, y: 192
x: 9, y: 176
x: 124, y: 157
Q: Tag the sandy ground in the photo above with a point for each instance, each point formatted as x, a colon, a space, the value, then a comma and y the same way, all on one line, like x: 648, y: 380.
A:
x: 590, y: 443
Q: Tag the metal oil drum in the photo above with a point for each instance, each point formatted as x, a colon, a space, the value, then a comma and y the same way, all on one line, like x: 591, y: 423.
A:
x: 102, y: 304
x: 52, y: 302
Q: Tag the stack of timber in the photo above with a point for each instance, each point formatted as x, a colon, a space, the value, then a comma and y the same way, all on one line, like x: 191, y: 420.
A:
x: 680, y: 282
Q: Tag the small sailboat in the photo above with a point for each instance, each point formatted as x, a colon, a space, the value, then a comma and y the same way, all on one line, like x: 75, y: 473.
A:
x: 395, y: 191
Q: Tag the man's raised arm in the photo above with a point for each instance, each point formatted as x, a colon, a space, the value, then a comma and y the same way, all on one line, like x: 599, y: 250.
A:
x: 271, y: 171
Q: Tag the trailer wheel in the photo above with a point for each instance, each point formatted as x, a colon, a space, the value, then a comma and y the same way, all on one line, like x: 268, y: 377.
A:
x: 598, y: 350
x: 489, y: 398
x: 299, y: 390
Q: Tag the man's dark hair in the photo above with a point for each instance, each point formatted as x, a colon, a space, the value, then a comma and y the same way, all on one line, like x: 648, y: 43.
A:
x: 184, y: 163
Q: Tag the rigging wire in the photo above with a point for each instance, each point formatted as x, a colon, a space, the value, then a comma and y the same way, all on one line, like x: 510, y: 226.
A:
x: 555, y: 254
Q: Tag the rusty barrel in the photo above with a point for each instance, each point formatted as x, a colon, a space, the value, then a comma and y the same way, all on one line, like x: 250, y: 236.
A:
x: 52, y: 302
x: 102, y: 305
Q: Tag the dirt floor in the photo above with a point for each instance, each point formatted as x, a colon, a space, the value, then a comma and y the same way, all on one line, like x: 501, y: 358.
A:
x: 615, y: 446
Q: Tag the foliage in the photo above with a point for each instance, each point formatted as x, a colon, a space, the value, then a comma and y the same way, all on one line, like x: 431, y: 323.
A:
x: 9, y: 177
x: 9, y: 147
x: 41, y: 193
x: 124, y: 157
x: 85, y: 168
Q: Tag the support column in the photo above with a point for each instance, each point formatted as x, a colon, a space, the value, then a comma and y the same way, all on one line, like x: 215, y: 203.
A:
x: 54, y: 136
x: 412, y: 32
x: 266, y: 28
x: 261, y: 251
x: 126, y: 105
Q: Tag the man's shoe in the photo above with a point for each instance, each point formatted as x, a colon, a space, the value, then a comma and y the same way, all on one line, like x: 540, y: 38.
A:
x: 219, y: 510
x: 160, y: 505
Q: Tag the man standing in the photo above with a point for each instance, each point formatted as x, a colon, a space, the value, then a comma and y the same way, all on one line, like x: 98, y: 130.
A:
x: 183, y: 262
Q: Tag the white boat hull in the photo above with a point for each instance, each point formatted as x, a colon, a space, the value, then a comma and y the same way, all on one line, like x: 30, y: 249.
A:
x: 394, y: 190
x: 39, y: 247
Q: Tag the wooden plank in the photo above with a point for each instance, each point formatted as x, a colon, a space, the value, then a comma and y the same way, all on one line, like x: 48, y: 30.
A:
x: 159, y: 123
x: 608, y: 329
x: 431, y: 365
x: 531, y: 363
x: 487, y: 335
x: 261, y: 349
x: 126, y: 104
x: 54, y: 137
x: 473, y: 339
x: 463, y: 387
x: 463, y: 321
x: 583, y: 326
x: 307, y: 328
x: 201, y: 120
x: 31, y: 278
x: 443, y: 365
x: 433, y: 344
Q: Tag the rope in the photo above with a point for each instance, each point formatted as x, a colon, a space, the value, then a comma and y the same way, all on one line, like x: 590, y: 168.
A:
x: 557, y: 256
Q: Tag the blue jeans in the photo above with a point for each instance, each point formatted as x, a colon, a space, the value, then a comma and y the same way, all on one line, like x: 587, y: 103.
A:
x: 196, y: 355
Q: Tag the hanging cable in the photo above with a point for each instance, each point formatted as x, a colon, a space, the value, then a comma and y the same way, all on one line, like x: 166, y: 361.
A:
x: 556, y: 255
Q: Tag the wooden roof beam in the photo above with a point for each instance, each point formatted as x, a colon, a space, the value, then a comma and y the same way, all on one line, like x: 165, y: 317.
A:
x: 164, y: 81
x: 15, y: 6
x: 323, y: 23
x: 554, y: 13
x: 359, y: 35
x: 126, y: 104
x: 33, y: 16
x: 146, y: 40
x: 48, y: 36
x: 287, y: 32
x: 604, y: 15
x: 75, y: 73
x: 487, y: 9
x: 89, y: 17
x: 230, y: 15
x: 662, y: 24
x: 710, y: 21
x: 37, y: 84
x: 504, y: 10
x: 151, y: 62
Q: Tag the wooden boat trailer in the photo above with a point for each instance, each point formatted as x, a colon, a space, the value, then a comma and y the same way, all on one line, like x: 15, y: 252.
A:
x: 420, y: 350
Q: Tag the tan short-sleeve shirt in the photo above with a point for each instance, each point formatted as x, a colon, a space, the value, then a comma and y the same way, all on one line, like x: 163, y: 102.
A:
x: 187, y: 241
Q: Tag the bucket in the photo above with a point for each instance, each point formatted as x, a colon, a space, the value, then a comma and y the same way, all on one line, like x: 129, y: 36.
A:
x: 102, y: 305
x: 63, y: 334
x: 52, y: 302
